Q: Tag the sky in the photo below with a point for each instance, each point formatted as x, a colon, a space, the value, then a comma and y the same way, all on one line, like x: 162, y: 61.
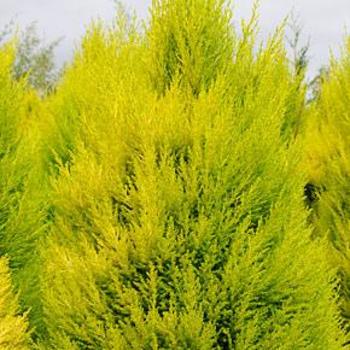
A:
x: 324, y: 21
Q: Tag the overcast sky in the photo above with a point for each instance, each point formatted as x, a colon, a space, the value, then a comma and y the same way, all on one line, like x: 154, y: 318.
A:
x: 324, y: 21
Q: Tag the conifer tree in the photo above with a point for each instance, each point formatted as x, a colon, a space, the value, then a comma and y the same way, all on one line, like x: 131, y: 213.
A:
x: 327, y: 161
x: 176, y: 209
x: 20, y: 207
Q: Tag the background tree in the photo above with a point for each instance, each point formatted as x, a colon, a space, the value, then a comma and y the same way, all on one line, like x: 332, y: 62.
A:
x: 299, y: 51
x: 34, y: 58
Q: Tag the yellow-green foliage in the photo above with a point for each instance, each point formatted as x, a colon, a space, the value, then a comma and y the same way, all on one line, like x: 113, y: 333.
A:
x: 20, y: 207
x: 177, y: 212
x: 328, y: 147
x: 14, y: 333
x: 155, y: 199
x: 183, y: 40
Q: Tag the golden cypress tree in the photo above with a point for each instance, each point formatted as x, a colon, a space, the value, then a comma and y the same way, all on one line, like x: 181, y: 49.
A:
x: 177, y: 214
x: 327, y: 161
x: 21, y: 217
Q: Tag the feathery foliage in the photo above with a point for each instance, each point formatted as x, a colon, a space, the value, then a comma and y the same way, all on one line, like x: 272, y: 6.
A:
x: 328, y: 146
x: 14, y: 333
x: 155, y: 200
x: 177, y: 209
x: 20, y: 213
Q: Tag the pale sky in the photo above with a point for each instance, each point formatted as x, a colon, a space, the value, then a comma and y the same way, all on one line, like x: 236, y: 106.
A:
x: 324, y: 21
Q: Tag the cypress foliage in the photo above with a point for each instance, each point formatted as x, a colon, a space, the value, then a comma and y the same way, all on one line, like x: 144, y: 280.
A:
x: 20, y: 212
x: 176, y: 208
x: 155, y: 200
x: 14, y: 334
x: 328, y: 146
x: 183, y: 38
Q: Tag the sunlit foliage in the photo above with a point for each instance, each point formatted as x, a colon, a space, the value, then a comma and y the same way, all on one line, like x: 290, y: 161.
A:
x: 328, y: 164
x: 14, y: 334
x: 156, y: 199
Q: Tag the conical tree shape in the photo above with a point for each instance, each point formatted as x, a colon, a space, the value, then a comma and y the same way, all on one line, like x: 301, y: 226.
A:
x: 183, y: 38
x: 178, y: 220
